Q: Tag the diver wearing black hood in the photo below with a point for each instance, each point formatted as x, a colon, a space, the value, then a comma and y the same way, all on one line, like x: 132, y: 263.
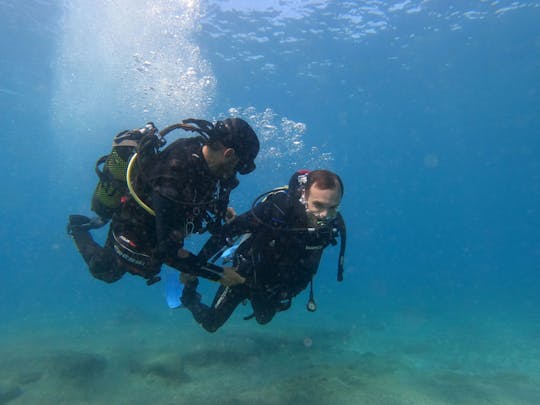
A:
x: 174, y: 192
x: 283, y: 238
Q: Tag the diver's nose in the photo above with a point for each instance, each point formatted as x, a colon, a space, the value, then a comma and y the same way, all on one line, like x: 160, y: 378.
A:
x: 328, y: 213
x: 322, y: 213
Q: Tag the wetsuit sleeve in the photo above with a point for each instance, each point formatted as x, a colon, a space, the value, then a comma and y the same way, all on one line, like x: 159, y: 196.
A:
x: 168, y: 237
x: 247, y: 222
x: 268, y: 214
x: 196, y: 266
x: 170, y: 240
x: 220, y: 240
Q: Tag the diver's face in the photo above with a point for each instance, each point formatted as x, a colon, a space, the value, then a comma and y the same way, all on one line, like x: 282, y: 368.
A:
x: 322, y: 205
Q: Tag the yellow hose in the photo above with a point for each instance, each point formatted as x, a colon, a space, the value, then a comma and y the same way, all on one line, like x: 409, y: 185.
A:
x: 132, y: 190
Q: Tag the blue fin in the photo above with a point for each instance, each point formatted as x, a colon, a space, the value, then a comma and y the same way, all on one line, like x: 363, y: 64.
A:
x: 173, y: 287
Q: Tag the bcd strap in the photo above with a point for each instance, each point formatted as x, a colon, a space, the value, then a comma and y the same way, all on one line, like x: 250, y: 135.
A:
x: 343, y: 244
x: 99, y: 171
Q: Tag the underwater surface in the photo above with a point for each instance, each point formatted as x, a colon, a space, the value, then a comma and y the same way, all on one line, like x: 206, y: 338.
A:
x: 429, y: 110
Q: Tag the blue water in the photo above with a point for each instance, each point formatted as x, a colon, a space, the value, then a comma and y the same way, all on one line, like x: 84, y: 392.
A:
x: 428, y: 111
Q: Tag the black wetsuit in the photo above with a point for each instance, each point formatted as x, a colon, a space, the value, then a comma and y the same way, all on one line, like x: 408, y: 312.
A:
x: 278, y: 260
x: 186, y: 198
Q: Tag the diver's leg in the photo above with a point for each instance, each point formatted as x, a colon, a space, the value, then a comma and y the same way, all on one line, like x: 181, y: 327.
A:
x: 101, y: 261
x: 212, y: 317
x: 264, y: 307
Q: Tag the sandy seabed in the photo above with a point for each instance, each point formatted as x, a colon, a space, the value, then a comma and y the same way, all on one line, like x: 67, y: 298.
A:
x: 128, y: 357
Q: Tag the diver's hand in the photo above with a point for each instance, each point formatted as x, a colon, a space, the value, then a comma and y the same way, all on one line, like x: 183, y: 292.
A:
x: 183, y: 253
x: 230, y: 215
x: 231, y: 277
x: 186, y: 278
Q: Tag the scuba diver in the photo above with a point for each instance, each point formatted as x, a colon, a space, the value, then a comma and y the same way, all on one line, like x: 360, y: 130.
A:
x: 282, y: 239
x: 156, y: 198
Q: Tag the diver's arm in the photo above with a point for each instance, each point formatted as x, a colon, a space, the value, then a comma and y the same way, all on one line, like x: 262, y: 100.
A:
x: 170, y: 242
x: 259, y: 217
x: 212, y: 247
x: 168, y: 238
x: 187, y: 262
x: 199, y: 265
x: 191, y: 264
x: 241, y: 224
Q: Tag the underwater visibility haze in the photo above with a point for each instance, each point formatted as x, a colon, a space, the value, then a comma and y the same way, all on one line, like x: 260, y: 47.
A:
x: 428, y: 110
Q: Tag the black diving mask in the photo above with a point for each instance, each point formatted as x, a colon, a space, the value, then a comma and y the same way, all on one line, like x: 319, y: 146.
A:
x: 245, y: 167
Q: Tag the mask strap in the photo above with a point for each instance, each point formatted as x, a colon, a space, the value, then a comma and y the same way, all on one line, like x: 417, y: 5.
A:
x: 302, y: 181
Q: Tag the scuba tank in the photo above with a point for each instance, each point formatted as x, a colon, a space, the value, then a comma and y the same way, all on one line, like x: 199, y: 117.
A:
x: 112, y: 184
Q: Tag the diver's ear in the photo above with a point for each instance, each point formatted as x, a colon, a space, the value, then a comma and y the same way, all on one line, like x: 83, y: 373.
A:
x: 229, y: 153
